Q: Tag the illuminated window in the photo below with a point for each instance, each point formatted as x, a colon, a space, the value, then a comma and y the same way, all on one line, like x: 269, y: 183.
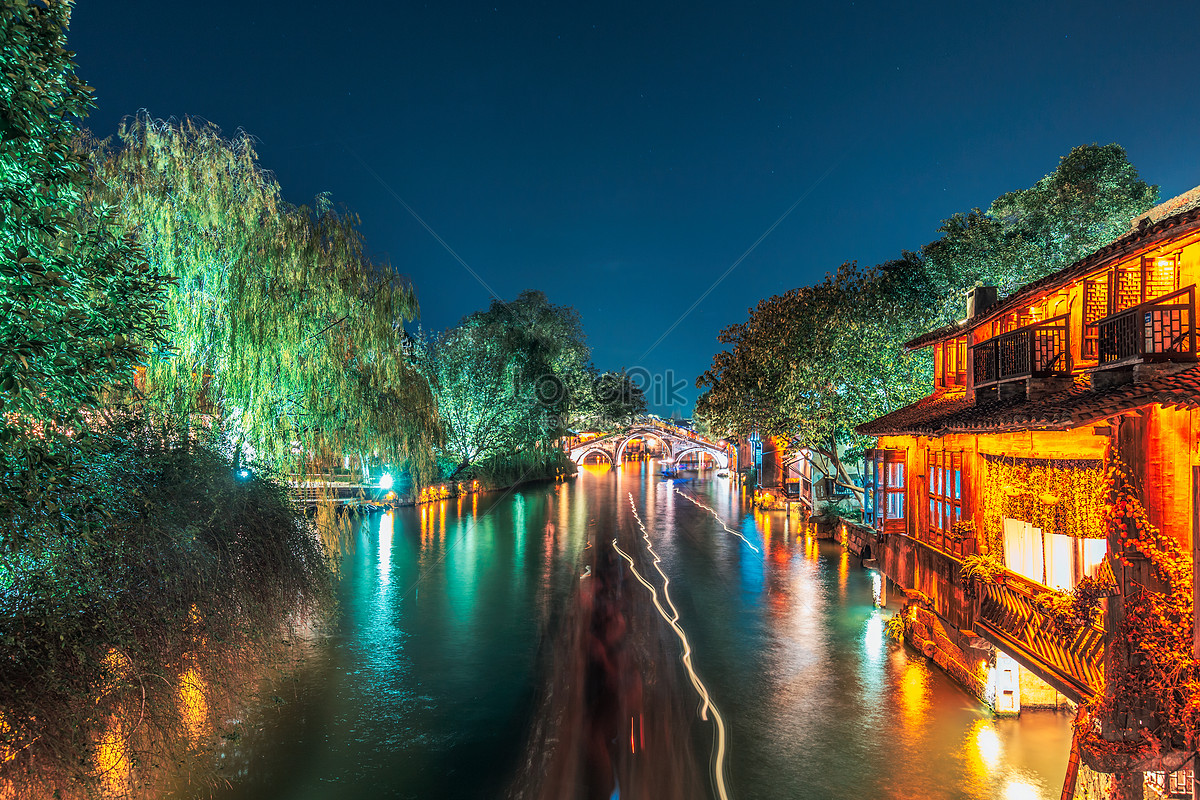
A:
x: 954, y: 362
x: 887, y: 481
x: 945, y: 492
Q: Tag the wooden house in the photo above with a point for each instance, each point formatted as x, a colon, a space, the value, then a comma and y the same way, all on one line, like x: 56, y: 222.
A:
x: 1007, y: 456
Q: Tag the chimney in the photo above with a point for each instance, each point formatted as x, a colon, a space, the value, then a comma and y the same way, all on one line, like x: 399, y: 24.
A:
x: 979, y: 300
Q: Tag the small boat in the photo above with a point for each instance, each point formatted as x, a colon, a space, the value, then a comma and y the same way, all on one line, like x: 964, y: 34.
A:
x: 722, y: 474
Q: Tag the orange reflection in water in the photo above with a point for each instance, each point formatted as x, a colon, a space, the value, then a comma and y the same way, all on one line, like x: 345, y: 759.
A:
x: 843, y: 571
x: 596, y: 469
x: 914, y: 694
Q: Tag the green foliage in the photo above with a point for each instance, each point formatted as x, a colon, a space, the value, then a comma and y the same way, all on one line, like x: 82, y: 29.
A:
x: 77, y: 302
x: 983, y: 567
x: 504, y: 379
x: 894, y: 627
x: 278, y: 319
x: 1024, y: 235
x: 183, y: 551
x: 814, y: 362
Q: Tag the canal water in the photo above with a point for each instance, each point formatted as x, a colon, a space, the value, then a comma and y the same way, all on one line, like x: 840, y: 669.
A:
x: 509, y: 646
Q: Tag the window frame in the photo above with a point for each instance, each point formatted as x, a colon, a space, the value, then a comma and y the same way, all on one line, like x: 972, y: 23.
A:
x: 945, y: 489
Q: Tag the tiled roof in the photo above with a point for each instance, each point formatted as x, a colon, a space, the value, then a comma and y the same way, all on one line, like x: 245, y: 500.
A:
x: 1143, y: 236
x: 940, y: 414
x: 935, y: 336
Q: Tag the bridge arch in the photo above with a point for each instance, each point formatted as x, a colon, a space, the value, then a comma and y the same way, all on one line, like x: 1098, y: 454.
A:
x: 596, y: 451
x: 721, y: 457
x: 662, y: 440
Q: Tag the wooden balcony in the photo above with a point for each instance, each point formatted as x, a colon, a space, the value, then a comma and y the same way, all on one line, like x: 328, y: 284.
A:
x: 1039, y: 350
x: 1011, y: 619
x: 1157, y: 330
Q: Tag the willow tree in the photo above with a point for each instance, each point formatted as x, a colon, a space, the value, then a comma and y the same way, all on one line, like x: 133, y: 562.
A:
x: 77, y: 301
x: 279, y: 324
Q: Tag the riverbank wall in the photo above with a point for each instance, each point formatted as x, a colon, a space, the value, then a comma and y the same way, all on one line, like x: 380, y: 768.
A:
x: 940, y: 611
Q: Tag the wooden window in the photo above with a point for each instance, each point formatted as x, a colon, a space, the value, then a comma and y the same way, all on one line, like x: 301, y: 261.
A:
x: 1161, y: 275
x: 887, y: 476
x: 1095, y: 307
x: 954, y: 362
x: 945, y: 493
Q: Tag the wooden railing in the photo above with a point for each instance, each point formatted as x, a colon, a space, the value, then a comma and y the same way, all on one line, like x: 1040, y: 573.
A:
x: 1157, y: 330
x: 1011, y: 614
x: 1037, y: 350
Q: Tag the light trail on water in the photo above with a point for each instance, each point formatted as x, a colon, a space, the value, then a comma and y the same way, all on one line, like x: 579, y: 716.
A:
x: 717, y: 518
x: 673, y: 620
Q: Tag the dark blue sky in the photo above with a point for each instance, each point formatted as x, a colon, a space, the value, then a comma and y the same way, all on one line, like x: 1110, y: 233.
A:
x: 621, y: 156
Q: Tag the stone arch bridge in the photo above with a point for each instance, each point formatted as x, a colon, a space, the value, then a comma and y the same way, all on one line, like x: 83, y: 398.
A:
x: 676, y: 443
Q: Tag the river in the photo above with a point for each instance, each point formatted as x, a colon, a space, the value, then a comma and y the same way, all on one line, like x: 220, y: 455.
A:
x: 503, y: 646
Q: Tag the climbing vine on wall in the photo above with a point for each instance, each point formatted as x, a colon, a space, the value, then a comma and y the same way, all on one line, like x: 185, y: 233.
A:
x: 1064, y: 497
x: 1153, y: 702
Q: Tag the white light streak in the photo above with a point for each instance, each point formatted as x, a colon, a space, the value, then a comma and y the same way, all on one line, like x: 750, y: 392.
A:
x: 673, y: 621
x: 718, y: 519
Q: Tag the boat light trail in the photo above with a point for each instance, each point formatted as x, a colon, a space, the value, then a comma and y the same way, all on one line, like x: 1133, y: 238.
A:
x: 717, y: 518
x: 673, y: 620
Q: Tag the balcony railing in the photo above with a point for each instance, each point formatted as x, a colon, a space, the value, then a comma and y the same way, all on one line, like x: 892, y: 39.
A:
x: 1157, y: 330
x: 1011, y: 614
x: 1036, y: 350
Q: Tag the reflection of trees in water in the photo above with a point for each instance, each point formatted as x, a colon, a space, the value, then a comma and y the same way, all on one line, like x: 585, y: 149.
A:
x: 613, y: 714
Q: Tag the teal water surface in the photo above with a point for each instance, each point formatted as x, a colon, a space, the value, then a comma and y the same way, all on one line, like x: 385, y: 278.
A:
x: 478, y: 655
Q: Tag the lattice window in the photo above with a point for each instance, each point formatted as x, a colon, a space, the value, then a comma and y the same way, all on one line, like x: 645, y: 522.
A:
x: 954, y: 362
x: 1162, y: 275
x: 888, y: 482
x: 1127, y: 291
x: 945, y: 492
x: 1095, y: 307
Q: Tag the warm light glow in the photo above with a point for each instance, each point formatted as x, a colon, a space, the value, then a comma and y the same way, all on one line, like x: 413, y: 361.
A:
x: 914, y: 694
x: 1020, y: 790
x: 987, y: 743
x: 193, y: 707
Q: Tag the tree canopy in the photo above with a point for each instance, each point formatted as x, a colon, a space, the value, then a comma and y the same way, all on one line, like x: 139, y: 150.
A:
x: 277, y: 316
x: 814, y: 362
x: 79, y: 305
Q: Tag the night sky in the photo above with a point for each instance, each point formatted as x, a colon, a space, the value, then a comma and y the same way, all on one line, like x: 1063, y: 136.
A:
x: 621, y: 156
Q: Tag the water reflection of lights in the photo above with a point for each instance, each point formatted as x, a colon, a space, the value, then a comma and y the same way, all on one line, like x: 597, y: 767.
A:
x: 914, y: 693
x: 987, y: 742
x: 718, y: 519
x: 1020, y: 790
x: 385, y: 548
x: 673, y: 621
x: 873, y: 641
x: 843, y: 571
x: 877, y: 588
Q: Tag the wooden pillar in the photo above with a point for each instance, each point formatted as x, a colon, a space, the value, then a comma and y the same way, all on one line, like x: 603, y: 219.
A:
x: 1195, y: 562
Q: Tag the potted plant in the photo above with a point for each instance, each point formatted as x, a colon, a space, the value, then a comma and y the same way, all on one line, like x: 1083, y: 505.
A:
x: 982, y: 568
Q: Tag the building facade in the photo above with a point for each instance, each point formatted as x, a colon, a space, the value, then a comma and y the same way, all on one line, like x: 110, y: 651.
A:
x: 1040, y: 504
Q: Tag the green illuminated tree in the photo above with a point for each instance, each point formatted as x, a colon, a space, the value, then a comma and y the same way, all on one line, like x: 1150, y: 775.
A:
x: 78, y: 303
x: 506, y: 378
x: 278, y: 321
